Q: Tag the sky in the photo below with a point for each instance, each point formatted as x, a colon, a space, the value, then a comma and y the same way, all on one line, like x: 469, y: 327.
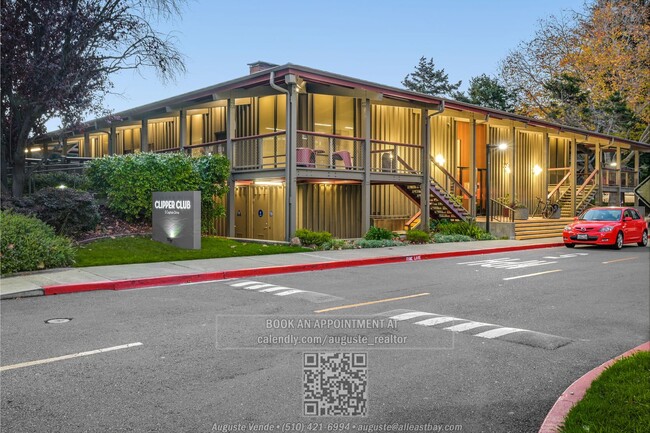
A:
x: 374, y: 40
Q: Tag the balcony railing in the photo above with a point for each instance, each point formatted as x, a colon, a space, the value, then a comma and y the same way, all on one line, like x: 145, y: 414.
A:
x: 259, y: 152
x: 628, y: 178
x: 398, y: 158
x: 326, y: 151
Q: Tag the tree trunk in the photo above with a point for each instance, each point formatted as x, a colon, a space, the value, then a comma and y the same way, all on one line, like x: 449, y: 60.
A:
x: 18, y: 173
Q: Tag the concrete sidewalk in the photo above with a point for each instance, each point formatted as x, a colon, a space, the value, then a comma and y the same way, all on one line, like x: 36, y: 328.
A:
x: 165, y: 273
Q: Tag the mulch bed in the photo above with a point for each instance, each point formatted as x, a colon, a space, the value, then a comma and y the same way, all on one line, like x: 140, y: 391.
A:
x: 112, y: 227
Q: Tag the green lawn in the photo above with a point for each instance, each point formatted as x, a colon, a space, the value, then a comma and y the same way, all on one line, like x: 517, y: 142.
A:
x: 141, y: 249
x: 618, y: 401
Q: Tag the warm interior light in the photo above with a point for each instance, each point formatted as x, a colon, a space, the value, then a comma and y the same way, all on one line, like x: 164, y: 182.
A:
x: 502, y: 146
x: 269, y: 182
x: 440, y: 160
x: 612, y: 164
x: 537, y: 170
x: 506, y: 168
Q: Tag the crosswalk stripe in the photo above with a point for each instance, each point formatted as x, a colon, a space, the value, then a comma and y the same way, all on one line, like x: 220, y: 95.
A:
x: 499, y: 332
x: 411, y: 315
x: 436, y: 321
x: 466, y: 326
x: 289, y: 292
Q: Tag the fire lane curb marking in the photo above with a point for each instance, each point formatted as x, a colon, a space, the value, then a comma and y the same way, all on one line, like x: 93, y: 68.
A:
x: 71, y: 356
x: 168, y: 280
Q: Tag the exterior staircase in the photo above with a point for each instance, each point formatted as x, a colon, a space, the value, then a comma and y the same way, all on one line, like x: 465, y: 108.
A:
x: 442, y: 205
x: 583, y: 200
x: 539, y: 228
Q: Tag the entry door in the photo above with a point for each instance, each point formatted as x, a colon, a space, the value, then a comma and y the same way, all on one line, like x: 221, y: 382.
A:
x: 261, y: 212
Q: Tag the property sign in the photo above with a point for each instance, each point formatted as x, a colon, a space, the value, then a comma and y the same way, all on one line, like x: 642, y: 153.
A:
x: 176, y: 218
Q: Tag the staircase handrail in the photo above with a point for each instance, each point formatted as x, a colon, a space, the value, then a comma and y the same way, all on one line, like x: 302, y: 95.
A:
x: 405, y: 164
x: 498, y: 204
x: 557, y: 187
x: 413, y: 218
x: 584, y: 184
x: 453, y: 179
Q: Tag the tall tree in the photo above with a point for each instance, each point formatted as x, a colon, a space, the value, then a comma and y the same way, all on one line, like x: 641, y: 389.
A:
x: 487, y: 92
x: 590, y: 69
x: 427, y: 79
x: 58, y: 57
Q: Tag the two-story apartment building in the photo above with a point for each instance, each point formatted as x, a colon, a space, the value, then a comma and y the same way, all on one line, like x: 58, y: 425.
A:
x: 317, y: 150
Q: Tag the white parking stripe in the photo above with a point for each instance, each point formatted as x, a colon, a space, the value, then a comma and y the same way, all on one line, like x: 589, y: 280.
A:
x: 532, y: 275
x: 64, y: 357
x: 411, y: 315
x: 437, y: 320
x: 499, y: 332
x: 244, y: 283
x: 275, y: 289
x: 258, y: 286
x: 467, y: 326
x: 289, y: 292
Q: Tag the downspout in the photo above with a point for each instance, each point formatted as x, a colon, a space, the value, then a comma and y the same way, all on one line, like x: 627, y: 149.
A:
x: 288, y: 178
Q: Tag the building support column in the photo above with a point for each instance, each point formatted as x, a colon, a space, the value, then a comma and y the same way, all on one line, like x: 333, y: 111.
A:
x: 472, y: 168
x: 425, y: 191
x: 618, y: 177
x: 112, y: 140
x: 547, y: 163
x: 637, y: 178
x: 513, y: 167
x: 291, y: 172
x: 87, y: 150
x: 182, y: 129
x: 366, y: 193
x: 231, y: 127
x: 574, y: 174
x: 599, y: 175
x: 144, y: 135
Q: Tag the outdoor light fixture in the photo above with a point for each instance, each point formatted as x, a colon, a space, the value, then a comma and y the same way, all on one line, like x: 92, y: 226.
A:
x: 612, y: 164
x: 488, y: 151
x: 537, y: 169
x: 269, y: 182
x: 62, y: 186
x: 440, y: 160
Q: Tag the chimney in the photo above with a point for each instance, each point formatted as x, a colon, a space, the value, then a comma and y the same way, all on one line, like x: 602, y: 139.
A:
x: 259, y: 66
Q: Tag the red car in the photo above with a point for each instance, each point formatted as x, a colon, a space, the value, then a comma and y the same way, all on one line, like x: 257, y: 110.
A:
x: 613, y: 226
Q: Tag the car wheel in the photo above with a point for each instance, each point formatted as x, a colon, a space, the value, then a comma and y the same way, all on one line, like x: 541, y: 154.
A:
x: 644, y: 239
x: 569, y: 245
x: 619, y: 241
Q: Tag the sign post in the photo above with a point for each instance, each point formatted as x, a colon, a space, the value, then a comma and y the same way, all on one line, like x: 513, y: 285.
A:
x: 176, y: 219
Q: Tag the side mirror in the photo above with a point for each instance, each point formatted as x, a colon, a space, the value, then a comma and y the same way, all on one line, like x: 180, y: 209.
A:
x: 626, y: 219
x: 575, y: 218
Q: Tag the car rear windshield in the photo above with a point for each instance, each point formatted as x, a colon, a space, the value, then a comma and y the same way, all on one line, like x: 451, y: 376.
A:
x: 601, y: 215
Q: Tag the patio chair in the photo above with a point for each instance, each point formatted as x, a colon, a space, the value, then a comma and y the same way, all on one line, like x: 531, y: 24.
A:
x: 344, y: 156
x: 305, y: 157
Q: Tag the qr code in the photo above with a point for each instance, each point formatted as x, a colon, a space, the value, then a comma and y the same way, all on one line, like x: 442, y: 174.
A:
x: 335, y: 384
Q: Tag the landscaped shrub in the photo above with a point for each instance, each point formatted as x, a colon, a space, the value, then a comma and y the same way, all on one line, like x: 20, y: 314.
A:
x: 378, y: 233
x: 441, y: 239
x: 417, y: 236
x: 466, y: 228
x: 308, y: 237
x: 129, y: 180
x: 29, y: 244
x: 55, y: 179
x: 67, y: 210
x: 337, y: 244
x: 377, y: 243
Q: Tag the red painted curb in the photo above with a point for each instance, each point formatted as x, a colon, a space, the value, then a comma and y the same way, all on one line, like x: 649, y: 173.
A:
x: 272, y: 270
x: 576, y: 391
